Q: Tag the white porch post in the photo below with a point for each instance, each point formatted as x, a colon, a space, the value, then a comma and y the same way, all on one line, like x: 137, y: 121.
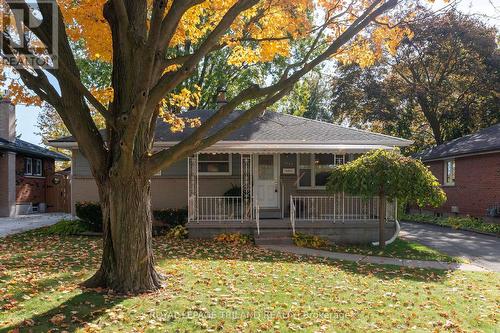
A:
x: 193, y: 189
x: 246, y: 187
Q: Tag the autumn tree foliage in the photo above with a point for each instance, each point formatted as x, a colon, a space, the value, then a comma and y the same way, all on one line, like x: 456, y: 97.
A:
x: 440, y: 84
x: 388, y: 175
x: 153, y: 49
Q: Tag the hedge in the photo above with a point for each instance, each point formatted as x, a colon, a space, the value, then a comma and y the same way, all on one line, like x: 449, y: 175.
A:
x: 171, y: 217
x: 91, y: 214
x: 456, y: 222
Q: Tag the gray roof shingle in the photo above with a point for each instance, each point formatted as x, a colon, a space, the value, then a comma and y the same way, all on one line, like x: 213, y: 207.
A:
x: 277, y: 127
x: 23, y: 147
x: 487, y: 139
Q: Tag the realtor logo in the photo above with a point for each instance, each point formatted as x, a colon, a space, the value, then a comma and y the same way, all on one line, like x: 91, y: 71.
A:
x: 21, y: 22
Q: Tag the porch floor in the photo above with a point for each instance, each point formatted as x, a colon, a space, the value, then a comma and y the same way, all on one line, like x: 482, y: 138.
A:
x: 282, y: 224
x: 264, y: 224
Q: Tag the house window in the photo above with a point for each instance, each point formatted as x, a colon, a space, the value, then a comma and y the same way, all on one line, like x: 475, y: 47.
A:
x: 314, y: 169
x: 265, y: 169
x: 38, y: 169
x: 449, y: 172
x: 28, y: 166
x: 214, y: 164
x: 33, y: 167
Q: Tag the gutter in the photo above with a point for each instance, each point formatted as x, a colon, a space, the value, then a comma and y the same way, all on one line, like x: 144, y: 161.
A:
x: 265, y: 144
x: 34, y: 154
x: 447, y: 157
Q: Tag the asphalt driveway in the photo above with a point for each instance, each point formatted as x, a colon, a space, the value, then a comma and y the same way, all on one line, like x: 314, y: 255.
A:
x: 481, y: 250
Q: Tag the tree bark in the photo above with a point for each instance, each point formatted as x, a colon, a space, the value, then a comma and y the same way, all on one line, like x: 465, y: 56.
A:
x: 382, y: 204
x: 127, y: 263
x: 431, y: 115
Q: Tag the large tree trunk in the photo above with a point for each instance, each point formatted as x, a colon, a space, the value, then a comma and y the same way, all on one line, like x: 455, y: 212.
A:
x: 382, y: 204
x: 432, y: 118
x: 127, y: 264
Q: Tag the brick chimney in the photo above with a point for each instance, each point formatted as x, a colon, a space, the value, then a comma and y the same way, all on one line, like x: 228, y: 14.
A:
x: 7, y: 159
x: 221, y: 98
x: 7, y: 119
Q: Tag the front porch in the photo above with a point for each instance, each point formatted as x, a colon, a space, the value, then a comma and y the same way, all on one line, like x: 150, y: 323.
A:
x: 272, y: 231
x: 270, y: 200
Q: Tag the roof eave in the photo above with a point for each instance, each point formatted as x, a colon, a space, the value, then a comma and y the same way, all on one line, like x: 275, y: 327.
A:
x: 271, y: 144
x: 34, y: 154
x: 459, y: 155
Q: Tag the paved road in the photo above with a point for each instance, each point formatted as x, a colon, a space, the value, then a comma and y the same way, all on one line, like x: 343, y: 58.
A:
x: 482, y: 250
x: 14, y: 225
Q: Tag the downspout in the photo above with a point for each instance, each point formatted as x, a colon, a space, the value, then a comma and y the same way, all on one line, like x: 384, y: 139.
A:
x: 393, y: 238
x: 398, y: 227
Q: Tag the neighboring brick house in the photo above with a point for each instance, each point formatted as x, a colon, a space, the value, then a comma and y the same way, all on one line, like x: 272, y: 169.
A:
x: 469, y: 170
x: 24, y: 168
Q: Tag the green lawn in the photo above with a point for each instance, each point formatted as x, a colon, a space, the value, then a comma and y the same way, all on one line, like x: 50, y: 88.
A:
x: 400, y: 248
x: 213, y: 287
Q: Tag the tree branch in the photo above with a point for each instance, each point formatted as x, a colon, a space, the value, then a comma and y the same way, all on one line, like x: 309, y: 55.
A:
x: 194, y: 143
x: 70, y: 103
x: 40, y: 30
x: 121, y: 14
x: 77, y: 83
x: 172, y: 19
x: 197, y: 139
x: 40, y: 83
x: 171, y: 80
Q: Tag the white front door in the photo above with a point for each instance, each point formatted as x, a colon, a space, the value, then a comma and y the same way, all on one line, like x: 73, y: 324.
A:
x: 266, y: 180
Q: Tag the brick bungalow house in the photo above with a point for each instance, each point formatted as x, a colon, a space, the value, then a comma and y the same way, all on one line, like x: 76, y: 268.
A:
x: 28, y: 180
x: 469, y: 170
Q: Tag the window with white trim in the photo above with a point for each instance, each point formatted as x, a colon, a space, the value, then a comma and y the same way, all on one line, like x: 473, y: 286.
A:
x: 214, y: 164
x: 314, y: 169
x: 28, y: 166
x: 33, y: 167
x: 38, y: 169
x: 449, y: 172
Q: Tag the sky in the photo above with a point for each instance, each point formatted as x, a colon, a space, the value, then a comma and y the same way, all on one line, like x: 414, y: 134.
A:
x: 488, y: 10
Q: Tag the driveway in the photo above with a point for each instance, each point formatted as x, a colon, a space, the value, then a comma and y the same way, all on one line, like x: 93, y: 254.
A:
x: 482, y: 250
x: 17, y: 224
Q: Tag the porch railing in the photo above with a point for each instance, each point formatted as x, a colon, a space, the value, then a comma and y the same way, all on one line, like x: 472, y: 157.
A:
x: 292, y: 214
x: 219, y: 208
x: 337, y: 208
x: 257, y: 218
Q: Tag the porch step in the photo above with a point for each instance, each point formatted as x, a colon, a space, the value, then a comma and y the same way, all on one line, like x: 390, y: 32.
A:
x: 273, y: 237
x: 270, y: 213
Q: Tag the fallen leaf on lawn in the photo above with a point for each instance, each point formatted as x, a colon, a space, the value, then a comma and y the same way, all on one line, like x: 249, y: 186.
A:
x: 57, y: 319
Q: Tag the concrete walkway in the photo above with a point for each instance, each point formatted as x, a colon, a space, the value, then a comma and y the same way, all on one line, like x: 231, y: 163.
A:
x: 373, y: 259
x: 481, y: 250
x: 21, y: 223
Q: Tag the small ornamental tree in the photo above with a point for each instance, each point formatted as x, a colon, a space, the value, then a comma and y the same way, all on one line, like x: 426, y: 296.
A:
x: 388, y: 175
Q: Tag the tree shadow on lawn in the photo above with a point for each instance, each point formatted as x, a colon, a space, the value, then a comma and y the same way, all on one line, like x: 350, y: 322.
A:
x: 210, y: 250
x: 70, y: 315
